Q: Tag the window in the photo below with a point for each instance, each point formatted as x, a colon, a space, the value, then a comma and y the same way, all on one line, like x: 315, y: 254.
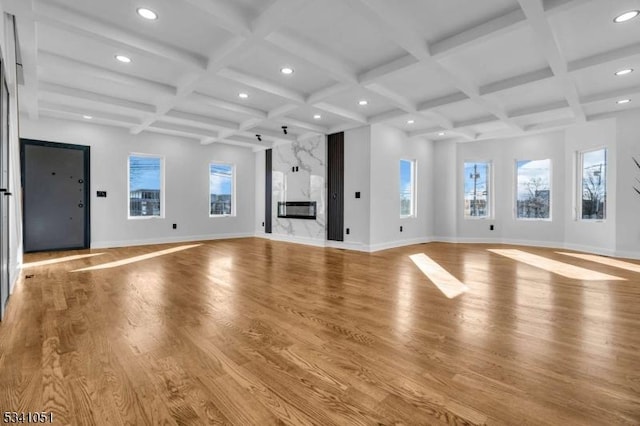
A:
x: 476, y: 190
x: 533, y: 198
x: 407, y: 188
x: 221, y: 190
x: 146, y: 186
x: 593, y: 203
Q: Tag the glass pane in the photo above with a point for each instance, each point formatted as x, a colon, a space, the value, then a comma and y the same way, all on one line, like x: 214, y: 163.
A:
x: 594, y: 184
x: 144, y: 186
x: 476, y: 189
x: 534, y: 189
x: 406, y: 188
x: 220, y: 188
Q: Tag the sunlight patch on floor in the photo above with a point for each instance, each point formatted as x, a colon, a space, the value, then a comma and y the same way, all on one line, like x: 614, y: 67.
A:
x: 136, y: 258
x: 556, y: 267
x: 633, y: 267
x: 58, y: 260
x: 449, y: 285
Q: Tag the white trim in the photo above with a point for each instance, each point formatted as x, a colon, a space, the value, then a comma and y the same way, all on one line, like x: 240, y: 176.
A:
x: 628, y: 254
x: 167, y: 240
x: 346, y: 245
x: 399, y: 243
x: 296, y: 240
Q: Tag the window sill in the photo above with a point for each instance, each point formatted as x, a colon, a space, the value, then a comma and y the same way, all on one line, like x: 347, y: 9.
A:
x: 221, y: 215
x: 144, y: 217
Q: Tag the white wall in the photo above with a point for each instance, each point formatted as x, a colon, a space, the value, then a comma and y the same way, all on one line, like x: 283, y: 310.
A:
x: 388, y: 147
x: 357, y: 178
x: 186, y: 183
x: 7, y: 46
x: 595, y: 236
x: 503, y: 155
x: 628, y: 176
x: 445, y: 183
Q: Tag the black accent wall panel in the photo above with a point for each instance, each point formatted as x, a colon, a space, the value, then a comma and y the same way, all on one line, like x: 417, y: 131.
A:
x: 268, y: 190
x: 335, y: 187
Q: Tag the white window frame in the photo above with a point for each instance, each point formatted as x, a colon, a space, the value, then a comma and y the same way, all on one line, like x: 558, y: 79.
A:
x: 162, y: 185
x: 579, y: 186
x: 414, y: 188
x: 515, y: 196
x: 233, y: 188
x: 490, y: 198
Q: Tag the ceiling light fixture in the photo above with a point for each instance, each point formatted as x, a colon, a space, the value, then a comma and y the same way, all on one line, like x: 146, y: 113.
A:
x: 441, y: 134
x: 286, y: 70
x: 259, y: 137
x: 627, y: 16
x: 147, y: 13
x: 317, y: 117
x: 623, y: 101
x: 363, y: 102
x: 87, y: 117
x: 243, y: 95
x: 410, y: 121
x: 284, y: 129
x: 624, y: 71
x: 123, y: 59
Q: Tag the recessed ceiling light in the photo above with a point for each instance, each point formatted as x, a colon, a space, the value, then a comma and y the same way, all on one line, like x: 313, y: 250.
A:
x: 286, y: 70
x: 441, y: 134
x: 317, y: 117
x: 243, y: 95
x: 623, y: 101
x: 624, y: 71
x: 147, y: 13
x: 363, y: 102
x: 410, y: 121
x: 627, y: 16
x: 124, y: 59
x: 87, y: 117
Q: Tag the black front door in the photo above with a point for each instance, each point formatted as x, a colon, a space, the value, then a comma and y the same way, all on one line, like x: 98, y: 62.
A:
x: 55, y: 180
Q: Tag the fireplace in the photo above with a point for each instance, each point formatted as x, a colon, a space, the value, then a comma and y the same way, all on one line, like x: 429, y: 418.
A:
x: 297, y: 209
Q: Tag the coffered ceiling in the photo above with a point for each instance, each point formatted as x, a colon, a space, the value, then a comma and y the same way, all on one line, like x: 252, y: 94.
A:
x: 460, y: 70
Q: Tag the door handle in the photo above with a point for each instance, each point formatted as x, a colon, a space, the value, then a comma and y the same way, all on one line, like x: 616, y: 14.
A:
x: 5, y: 191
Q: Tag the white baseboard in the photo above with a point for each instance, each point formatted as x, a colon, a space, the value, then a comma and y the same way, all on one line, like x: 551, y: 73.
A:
x: 167, y: 240
x: 347, y: 245
x: 296, y: 240
x: 399, y: 243
x: 628, y: 254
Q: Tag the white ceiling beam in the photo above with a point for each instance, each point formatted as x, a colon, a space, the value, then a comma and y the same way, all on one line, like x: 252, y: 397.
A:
x: 387, y: 115
x: 517, y: 81
x: 474, y: 122
x: 81, y: 112
x: 51, y: 59
x: 396, y: 99
x: 349, y: 115
x: 385, y: 70
x: 228, y: 106
x: 327, y: 92
x: 495, y: 27
x: 224, y: 15
x: 534, y: 11
x: 281, y: 110
x: 86, y: 95
x: 537, y: 109
x: 248, y: 124
x: 385, y: 17
x: 625, y: 52
x: 552, y: 7
x: 260, y: 84
x: 60, y: 115
x: 312, y: 128
x: 184, y: 130
x: 624, y: 93
x: 442, y: 101
x: 314, y: 55
x: 201, y: 120
x: 110, y: 34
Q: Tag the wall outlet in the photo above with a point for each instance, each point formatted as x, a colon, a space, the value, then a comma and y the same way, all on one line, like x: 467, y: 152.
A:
x: 175, y: 226
x: 490, y: 227
x: 263, y: 224
x: 358, y: 194
x: 400, y: 228
x: 101, y: 193
x: 348, y: 230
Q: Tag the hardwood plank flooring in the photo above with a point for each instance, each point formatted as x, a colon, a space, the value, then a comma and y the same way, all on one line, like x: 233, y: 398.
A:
x: 251, y: 331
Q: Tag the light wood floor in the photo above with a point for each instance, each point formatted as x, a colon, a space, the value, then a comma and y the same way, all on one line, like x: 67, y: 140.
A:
x: 257, y: 332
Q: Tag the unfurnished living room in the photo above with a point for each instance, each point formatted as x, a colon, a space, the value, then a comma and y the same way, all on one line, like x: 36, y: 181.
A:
x: 329, y: 212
